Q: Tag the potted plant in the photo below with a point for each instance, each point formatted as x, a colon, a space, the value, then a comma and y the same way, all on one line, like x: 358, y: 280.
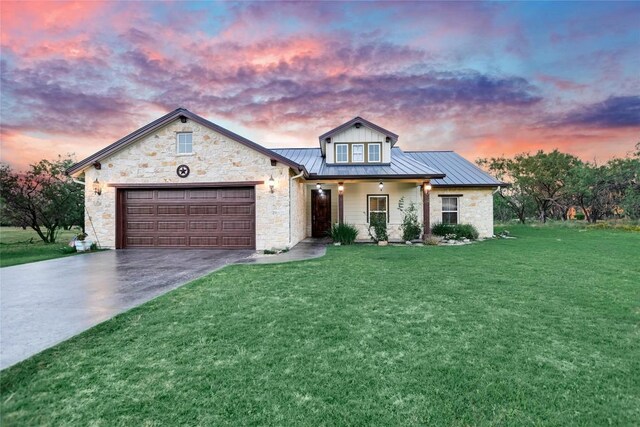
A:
x: 81, y: 243
x: 378, y: 229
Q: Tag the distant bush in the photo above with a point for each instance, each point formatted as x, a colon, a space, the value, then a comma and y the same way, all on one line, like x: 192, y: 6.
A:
x: 68, y: 249
x: 345, y: 234
x: 459, y: 231
x: 580, y: 216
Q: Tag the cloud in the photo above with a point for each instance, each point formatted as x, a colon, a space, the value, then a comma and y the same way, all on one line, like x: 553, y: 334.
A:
x: 614, y: 112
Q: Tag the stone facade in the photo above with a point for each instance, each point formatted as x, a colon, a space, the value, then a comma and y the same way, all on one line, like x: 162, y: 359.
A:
x: 215, y: 158
x: 475, y: 207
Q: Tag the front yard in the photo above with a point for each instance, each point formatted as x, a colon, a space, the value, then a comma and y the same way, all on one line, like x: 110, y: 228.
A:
x: 18, y: 246
x: 542, y: 329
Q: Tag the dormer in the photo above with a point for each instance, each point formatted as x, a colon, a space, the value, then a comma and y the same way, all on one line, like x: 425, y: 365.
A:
x: 358, y: 142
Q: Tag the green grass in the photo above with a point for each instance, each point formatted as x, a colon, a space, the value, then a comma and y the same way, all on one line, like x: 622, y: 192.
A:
x: 538, y: 330
x: 18, y: 246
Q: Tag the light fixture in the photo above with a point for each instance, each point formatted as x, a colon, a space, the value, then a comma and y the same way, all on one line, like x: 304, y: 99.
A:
x: 97, y: 188
x: 358, y: 124
x: 318, y: 186
x: 272, y: 183
x: 340, y: 188
x: 381, y: 186
x: 427, y: 187
x: 183, y: 119
x: 388, y: 140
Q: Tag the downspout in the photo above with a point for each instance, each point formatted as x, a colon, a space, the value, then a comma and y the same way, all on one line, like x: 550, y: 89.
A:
x: 290, y: 209
x: 77, y: 181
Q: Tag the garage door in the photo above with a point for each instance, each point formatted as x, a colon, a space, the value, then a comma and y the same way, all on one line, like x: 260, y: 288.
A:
x: 188, y: 218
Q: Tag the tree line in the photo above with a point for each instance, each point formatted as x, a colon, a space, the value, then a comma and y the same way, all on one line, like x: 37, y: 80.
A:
x: 551, y: 185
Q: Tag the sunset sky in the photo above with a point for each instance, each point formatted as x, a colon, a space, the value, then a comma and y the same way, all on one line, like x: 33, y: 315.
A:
x: 484, y: 79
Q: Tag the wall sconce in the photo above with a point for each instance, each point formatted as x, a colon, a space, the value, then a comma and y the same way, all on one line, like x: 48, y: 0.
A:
x: 427, y: 187
x: 272, y: 183
x: 381, y: 186
x: 318, y: 186
x: 340, y: 188
x: 97, y: 187
x: 183, y: 119
x: 387, y: 140
x: 357, y: 125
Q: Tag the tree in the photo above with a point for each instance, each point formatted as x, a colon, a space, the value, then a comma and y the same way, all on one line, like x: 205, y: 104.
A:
x: 540, y: 178
x: 43, y: 198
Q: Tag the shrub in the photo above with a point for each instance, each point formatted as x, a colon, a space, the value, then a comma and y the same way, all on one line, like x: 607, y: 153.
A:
x: 432, y: 241
x: 345, y: 234
x: 68, y: 249
x: 410, y: 226
x: 378, y: 228
x: 458, y: 231
x: 579, y: 216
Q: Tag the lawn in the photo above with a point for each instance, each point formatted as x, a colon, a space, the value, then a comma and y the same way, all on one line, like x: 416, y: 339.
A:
x: 538, y: 330
x: 18, y: 246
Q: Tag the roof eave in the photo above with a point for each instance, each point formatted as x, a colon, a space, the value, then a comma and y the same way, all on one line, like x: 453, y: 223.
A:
x: 373, y: 176
x: 168, y: 118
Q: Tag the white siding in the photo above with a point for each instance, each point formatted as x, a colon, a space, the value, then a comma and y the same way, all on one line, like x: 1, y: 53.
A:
x: 354, y: 135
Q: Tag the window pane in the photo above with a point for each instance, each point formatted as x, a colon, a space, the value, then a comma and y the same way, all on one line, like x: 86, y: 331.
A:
x: 373, y: 203
x: 341, y: 153
x: 449, y: 217
x: 449, y: 204
x: 374, y: 153
x: 184, y: 143
x: 358, y: 153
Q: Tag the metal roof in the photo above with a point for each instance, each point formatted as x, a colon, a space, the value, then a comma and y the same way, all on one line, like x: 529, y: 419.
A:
x: 401, y: 166
x: 459, y: 171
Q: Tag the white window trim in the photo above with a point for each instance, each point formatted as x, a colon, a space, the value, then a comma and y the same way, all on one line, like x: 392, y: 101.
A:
x: 379, y: 153
x: 387, y: 213
x: 457, y: 211
x: 353, y: 160
x: 339, y: 145
x: 178, y: 143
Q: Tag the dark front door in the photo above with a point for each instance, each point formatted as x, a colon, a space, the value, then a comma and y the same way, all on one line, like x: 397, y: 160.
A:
x: 320, y: 213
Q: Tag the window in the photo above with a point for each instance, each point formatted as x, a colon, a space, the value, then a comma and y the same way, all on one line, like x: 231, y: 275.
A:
x: 357, y: 153
x: 185, y: 144
x: 378, y: 205
x: 374, y: 152
x: 342, y: 153
x: 449, y: 210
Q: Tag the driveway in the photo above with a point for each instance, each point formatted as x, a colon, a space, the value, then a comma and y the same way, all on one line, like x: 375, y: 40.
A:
x: 44, y: 303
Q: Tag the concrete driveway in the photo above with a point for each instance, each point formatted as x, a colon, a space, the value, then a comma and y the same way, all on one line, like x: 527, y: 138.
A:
x: 46, y: 302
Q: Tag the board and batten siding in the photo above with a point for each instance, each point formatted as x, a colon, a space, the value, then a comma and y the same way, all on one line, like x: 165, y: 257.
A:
x: 353, y: 135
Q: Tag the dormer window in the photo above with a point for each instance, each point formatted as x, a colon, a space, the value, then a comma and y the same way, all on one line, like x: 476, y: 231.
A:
x: 374, y: 153
x: 357, y: 154
x: 342, y: 153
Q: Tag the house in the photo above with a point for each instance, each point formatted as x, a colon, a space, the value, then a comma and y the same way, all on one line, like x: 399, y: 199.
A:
x: 185, y: 182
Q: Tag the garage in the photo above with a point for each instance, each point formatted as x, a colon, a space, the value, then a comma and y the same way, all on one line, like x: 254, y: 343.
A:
x: 222, y: 218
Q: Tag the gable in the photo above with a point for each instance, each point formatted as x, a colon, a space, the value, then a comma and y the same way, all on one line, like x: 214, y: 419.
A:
x: 183, y: 116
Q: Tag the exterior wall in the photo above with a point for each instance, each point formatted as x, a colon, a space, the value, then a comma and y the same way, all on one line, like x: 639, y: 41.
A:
x: 355, y: 204
x: 354, y: 135
x: 475, y: 207
x: 215, y: 158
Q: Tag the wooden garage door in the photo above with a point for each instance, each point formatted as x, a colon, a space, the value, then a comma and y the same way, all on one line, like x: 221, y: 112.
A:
x: 189, y: 218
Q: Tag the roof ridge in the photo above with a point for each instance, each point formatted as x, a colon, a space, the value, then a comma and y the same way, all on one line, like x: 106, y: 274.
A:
x: 429, y: 151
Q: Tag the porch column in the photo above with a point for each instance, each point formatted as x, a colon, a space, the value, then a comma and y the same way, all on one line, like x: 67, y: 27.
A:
x: 426, y: 187
x: 340, y: 203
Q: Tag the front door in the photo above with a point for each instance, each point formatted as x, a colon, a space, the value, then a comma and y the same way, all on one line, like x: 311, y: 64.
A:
x: 320, y: 213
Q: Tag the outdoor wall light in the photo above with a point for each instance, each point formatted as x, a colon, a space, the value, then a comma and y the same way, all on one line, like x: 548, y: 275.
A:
x: 340, y: 188
x: 427, y: 188
x: 272, y: 183
x: 97, y: 187
x: 318, y: 186
x: 357, y: 125
x: 381, y: 186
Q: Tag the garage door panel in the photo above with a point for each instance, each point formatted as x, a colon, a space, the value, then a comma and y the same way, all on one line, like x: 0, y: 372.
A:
x: 172, y: 209
x: 183, y: 218
x: 203, y: 210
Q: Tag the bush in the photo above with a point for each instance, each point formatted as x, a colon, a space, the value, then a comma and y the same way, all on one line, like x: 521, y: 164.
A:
x: 457, y: 231
x: 345, y: 234
x: 579, y: 216
x: 410, y: 226
x: 68, y: 250
x: 378, y: 228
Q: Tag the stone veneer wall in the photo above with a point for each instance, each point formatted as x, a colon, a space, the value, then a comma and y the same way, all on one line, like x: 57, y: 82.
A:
x: 298, y: 210
x: 215, y: 158
x: 474, y: 207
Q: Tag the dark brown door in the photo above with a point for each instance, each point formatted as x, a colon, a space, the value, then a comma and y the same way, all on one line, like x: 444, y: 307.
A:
x: 320, y: 213
x: 188, y: 218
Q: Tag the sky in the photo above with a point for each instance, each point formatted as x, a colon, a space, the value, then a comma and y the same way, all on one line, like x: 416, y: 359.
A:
x: 482, y: 78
